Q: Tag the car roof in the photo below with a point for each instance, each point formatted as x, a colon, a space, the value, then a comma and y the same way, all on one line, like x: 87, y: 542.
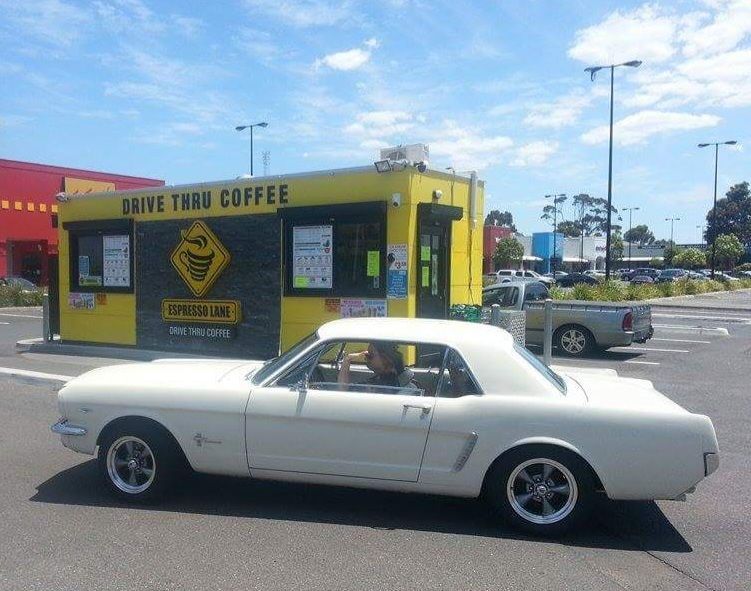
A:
x: 454, y: 333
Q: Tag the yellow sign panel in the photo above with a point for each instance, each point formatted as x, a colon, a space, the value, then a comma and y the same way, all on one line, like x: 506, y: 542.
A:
x: 213, y: 311
x: 199, y: 258
x: 73, y: 185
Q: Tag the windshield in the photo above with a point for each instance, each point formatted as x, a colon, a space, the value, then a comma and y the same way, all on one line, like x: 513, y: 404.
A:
x: 270, y: 367
x: 543, y: 369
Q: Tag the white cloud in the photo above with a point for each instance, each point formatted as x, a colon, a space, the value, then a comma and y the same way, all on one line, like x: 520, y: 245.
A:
x: 466, y: 148
x: 258, y: 44
x: 303, y: 13
x: 352, y: 59
x: 562, y: 112
x: 726, y: 29
x: 636, y: 128
x: 534, y: 153
x: 646, y: 33
x: 48, y: 22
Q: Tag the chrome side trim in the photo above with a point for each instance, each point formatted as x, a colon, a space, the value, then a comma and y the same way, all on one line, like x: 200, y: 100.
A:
x: 63, y: 428
x: 469, y: 446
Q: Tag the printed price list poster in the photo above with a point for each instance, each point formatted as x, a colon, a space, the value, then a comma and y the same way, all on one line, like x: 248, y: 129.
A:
x: 311, y: 257
x: 116, y: 261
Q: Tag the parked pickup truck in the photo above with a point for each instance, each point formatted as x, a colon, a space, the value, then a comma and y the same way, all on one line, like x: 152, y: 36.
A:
x: 578, y: 327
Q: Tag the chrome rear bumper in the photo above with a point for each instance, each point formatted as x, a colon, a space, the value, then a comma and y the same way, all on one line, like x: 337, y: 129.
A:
x: 63, y: 428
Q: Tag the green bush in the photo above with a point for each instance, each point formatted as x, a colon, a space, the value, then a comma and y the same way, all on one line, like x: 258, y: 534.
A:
x: 15, y: 296
x: 617, y: 291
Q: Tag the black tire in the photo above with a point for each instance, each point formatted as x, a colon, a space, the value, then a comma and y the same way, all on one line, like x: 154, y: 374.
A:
x: 573, y: 340
x: 159, y: 461
x: 505, y: 482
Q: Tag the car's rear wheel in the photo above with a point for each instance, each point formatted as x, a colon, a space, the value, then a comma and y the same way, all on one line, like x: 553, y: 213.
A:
x: 139, y: 462
x: 542, y: 490
x: 574, y: 340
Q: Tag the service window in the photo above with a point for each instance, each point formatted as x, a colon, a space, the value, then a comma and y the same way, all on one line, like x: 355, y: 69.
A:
x: 101, y: 256
x: 335, y: 251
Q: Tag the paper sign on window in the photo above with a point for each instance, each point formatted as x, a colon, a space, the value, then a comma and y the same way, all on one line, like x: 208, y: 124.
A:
x: 312, y: 257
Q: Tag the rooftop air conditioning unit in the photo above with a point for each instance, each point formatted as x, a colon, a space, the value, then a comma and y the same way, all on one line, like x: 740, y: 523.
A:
x: 412, y: 153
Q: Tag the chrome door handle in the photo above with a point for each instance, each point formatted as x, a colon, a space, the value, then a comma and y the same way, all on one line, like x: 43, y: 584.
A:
x: 423, y: 407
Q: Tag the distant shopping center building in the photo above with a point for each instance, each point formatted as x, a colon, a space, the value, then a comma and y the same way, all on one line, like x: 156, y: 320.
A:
x: 28, y: 211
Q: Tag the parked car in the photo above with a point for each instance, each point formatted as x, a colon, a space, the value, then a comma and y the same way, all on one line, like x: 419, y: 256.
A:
x: 641, y: 280
x: 578, y: 327
x: 642, y: 271
x: 20, y: 282
x: 558, y: 275
x: 670, y: 275
x: 574, y: 278
x: 724, y: 277
x: 596, y: 274
x: 490, y: 422
x: 696, y: 276
x: 505, y: 275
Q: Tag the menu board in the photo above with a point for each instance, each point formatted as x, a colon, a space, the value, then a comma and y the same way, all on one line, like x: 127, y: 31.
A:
x: 312, y: 257
x: 116, y: 261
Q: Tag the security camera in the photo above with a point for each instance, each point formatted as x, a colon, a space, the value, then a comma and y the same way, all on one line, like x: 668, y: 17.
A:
x: 396, y: 199
x: 421, y: 166
x: 437, y: 194
x: 62, y: 197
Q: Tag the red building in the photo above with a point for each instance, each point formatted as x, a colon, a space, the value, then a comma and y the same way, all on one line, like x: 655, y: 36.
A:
x: 28, y: 208
x: 490, y: 237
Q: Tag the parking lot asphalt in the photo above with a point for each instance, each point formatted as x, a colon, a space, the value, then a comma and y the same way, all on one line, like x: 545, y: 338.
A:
x: 61, y: 530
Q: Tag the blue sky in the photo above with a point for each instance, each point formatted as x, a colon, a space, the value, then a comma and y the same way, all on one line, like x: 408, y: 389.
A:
x: 156, y: 88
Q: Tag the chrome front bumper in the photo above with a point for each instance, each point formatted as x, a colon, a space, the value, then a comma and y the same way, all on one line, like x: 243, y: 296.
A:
x: 63, y: 428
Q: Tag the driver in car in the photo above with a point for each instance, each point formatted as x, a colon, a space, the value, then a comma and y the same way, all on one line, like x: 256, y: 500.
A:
x: 385, y: 361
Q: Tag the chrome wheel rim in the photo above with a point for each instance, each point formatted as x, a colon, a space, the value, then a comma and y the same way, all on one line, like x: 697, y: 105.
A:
x: 542, y: 491
x: 131, y: 465
x: 573, y: 341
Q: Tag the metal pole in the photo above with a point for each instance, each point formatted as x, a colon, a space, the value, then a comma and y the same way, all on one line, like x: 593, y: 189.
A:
x: 581, y: 230
x: 495, y: 315
x: 714, y: 211
x: 547, y: 347
x: 46, y: 318
x: 630, y: 211
x: 610, y: 179
x: 251, y: 150
x: 555, y: 224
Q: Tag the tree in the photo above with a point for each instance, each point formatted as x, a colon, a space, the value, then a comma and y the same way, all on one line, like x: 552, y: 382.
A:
x: 592, y: 213
x: 500, y: 218
x: 690, y: 258
x: 656, y: 263
x: 668, y: 254
x: 640, y: 235
x: 508, y: 253
x: 554, y: 212
x: 728, y: 250
x: 733, y: 215
x: 616, y: 248
x: 570, y: 229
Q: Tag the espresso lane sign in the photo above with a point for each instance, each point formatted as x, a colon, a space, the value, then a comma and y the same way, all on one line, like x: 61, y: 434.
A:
x: 209, y: 311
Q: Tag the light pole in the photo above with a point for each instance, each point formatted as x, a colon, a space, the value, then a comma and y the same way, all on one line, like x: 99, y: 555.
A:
x: 701, y: 234
x: 556, y: 200
x: 592, y: 71
x: 251, y: 126
x: 630, y: 210
x: 714, y: 207
x: 672, y: 221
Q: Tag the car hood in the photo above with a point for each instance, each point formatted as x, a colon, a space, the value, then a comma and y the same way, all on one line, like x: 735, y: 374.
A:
x: 168, y: 372
x: 613, y: 392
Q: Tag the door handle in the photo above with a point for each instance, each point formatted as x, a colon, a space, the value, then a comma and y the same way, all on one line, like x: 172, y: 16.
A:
x: 425, y: 408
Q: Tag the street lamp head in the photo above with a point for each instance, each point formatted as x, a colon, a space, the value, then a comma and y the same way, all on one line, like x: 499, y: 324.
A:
x: 262, y: 124
x: 592, y: 71
x: 633, y: 64
x: 731, y: 143
x: 240, y: 127
x: 704, y: 145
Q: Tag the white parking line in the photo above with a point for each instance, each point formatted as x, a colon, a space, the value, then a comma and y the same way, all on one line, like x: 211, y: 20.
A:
x: 4, y: 322
x: 672, y: 327
x: 631, y: 348
x: 682, y: 341
x: 739, y: 319
x: 24, y: 373
x: 642, y: 362
x: 20, y: 315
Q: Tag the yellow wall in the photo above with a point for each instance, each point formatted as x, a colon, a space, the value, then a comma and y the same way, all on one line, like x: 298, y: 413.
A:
x: 115, y: 321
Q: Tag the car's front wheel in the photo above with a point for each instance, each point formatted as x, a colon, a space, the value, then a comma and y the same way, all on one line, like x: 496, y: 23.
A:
x: 138, y: 462
x: 573, y: 340
x: 541, y: 489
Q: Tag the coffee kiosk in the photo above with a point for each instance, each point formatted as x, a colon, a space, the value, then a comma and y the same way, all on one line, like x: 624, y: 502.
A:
x: 245, y: 268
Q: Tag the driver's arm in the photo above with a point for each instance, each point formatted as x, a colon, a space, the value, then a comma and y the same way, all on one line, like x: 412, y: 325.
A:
x: 343, y: 377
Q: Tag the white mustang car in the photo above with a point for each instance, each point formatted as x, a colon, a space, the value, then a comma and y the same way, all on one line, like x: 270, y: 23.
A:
x: 426, y: 406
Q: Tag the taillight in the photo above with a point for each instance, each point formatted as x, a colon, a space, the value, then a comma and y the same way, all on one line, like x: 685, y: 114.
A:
x: 628, y: 321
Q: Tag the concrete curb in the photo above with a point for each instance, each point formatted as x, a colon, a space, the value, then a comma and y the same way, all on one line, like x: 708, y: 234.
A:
x: 105, y: 351
x: 676, y: 301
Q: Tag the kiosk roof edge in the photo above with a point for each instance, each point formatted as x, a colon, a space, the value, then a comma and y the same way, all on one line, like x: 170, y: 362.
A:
x: 329, y: 172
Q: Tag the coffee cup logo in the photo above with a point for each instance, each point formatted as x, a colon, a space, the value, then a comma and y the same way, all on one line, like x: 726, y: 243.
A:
x: 199, y: 258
